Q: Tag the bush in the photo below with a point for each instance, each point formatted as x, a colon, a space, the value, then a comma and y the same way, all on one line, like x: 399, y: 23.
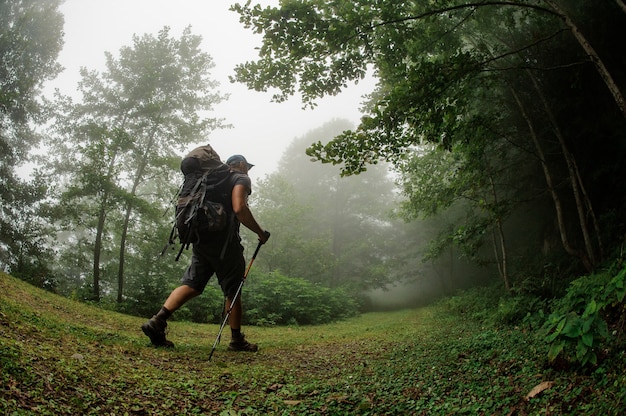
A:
x: 493, y: 306
x: 206, y: 308
x: 274, y: 299
x: 526, y: 309
x: 478, y: 304
x: 578, y: 328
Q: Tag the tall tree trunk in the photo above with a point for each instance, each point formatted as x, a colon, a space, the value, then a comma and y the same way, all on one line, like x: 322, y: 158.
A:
x: 591, y: 211
x: 335, y: 235
x: 97, y: 249
x: 100, y: 231
x: 555, y: 10
x: 120, y: 270
x: 593, y: 55
x: 143, y: 162
x: 129, y: 209
x: 550, y: 183
x: 574, y: 175
x: 499, y: 241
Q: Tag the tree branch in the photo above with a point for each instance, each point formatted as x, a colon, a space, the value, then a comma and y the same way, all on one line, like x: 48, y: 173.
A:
x: 465, y: 6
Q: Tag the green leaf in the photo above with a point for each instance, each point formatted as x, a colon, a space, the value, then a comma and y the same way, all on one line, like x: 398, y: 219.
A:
x: 555, y: 350
x: 552, y: 337
x: 581, y: 351
x: 592, y: 307
x: 573, y: 328
x: 601, y: 328
x: 587, y: 339
x: 561, y: 325
x: 558, y: 327
x: 587, y: 324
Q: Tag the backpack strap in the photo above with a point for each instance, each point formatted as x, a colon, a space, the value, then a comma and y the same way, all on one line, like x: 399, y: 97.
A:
x: 173, y: 232
x: 198, y: 203
x: 192, y: 197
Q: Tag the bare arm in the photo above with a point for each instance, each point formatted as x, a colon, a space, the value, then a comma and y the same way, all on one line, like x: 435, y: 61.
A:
x: 243, y: 213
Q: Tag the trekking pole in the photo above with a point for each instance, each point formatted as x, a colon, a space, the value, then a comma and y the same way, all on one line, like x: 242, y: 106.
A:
x: 232, y: 301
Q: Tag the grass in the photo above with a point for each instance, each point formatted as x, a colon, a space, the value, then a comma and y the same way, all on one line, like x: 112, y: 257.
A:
x: 61, y: 357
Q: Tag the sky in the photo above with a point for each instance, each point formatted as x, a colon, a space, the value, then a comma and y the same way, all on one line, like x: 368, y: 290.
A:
x: 262, y: 130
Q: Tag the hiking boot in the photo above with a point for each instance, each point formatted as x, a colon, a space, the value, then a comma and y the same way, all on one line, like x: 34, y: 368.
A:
x: 154, y: 328
x: 240, y: 344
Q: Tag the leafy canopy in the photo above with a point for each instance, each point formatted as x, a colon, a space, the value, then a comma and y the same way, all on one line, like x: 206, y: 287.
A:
x: 30, y: 41
x: 423, y: 56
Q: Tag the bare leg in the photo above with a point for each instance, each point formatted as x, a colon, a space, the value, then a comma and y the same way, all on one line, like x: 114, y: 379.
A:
x: 238, y: 342
x: 234, y: 320
x: 179, y: 296
x: 155, y: 327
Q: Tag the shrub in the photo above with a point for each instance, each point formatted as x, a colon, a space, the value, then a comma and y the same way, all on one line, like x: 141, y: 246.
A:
x: 478, y: 304
x: 274, y: 299
x: 577, y: 329
x: 492, y: 305
x: 518, y: 309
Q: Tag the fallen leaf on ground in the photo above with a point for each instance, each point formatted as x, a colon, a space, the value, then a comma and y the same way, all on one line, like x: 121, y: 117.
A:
x: 539, y: 388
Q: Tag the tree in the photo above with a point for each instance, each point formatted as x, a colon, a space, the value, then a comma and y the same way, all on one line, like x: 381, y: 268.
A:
x: 330, y: 230
x: 30, y: 41
x: 117, y: 149
x: 294, y: 250
x: 319, y: 47
x: 431, y: 61
x: 482, y: 180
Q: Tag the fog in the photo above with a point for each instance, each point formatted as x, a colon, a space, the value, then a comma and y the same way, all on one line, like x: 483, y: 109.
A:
x: 428, y: 285
x: 261, y: 130
x: 346, y: 221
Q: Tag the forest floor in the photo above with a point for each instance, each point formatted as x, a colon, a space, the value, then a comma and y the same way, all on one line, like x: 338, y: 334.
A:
x: 61, y: 357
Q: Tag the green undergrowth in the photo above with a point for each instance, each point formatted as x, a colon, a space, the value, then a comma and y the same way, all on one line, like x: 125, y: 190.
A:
x: 60, y: 357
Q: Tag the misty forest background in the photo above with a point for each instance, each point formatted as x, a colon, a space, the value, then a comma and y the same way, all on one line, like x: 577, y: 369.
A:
x: 490, y: 156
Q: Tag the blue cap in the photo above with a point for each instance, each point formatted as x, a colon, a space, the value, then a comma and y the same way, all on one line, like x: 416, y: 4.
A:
x: 238, y: 158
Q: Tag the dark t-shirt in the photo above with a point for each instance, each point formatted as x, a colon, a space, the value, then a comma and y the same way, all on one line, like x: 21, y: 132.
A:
x: 223, y: 194
x: 237, y: 178
x: 214, y: 256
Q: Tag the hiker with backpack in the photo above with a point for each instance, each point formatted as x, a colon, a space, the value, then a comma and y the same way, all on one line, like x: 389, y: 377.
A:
x: 212, y: 204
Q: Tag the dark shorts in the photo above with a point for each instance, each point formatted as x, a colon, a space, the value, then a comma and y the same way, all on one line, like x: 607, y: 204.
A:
x: 205, y: 262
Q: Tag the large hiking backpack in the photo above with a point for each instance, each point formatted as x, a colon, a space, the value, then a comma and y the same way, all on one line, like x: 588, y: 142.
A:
x: 203, y: 210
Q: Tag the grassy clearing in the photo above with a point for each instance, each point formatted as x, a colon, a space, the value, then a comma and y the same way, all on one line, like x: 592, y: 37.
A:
x: 62, y: 357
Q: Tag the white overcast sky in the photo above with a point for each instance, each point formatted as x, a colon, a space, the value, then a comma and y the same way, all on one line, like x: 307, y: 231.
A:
x: 261, y: 130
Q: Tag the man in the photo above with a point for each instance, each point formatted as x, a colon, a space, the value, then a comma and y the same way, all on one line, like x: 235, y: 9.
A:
x: 209, y: 258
